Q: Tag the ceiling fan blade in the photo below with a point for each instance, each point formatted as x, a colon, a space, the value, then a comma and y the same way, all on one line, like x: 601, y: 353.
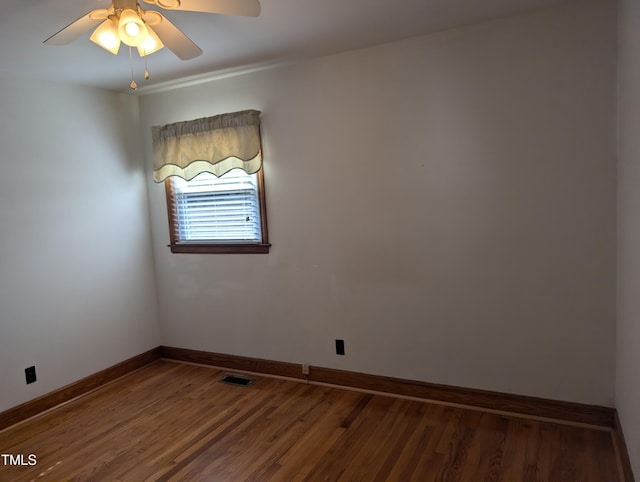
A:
x: 76, y: 28
x: 245, y: 8
x: 175, y: 40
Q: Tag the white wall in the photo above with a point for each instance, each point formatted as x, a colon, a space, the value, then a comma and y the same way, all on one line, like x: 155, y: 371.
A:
x: 446, y: 204
x: 628, y: 335
x: 76, y: 275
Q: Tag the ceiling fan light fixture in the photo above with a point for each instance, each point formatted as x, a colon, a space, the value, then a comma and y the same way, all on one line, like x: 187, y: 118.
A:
x: 151, y: 45
x: 147, y: 30
x: 106, y: 36
x: 132, y: 29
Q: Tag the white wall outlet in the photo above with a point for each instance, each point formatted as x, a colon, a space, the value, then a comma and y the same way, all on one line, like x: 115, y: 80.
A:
x: 305, y: 369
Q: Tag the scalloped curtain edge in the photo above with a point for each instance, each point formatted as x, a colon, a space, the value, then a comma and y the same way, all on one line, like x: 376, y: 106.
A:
x: 218, y: 169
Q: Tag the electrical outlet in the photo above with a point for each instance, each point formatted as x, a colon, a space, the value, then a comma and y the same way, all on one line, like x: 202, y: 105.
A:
x: 339, y: 347
x: 305, y: 369
x: 30, y: 374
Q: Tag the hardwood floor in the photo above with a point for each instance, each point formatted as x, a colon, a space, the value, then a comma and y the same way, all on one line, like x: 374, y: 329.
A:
x: 173, y: 421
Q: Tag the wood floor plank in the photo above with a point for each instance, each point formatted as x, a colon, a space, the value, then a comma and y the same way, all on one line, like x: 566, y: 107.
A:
x: 176, y: 422
x: 348, y: 448
x: 377, y: 447
x: 433, y: 453
x: 486, y: 454
x: 407, y: 461
x: 401, y: 441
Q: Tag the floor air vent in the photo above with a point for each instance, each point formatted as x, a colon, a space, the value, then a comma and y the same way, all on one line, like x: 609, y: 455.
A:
x: 238, y: 380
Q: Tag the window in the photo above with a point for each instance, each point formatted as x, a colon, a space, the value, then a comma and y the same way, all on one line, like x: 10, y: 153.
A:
x: 210, y: 214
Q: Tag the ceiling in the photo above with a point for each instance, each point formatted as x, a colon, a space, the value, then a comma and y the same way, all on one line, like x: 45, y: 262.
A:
x: 285, y: 30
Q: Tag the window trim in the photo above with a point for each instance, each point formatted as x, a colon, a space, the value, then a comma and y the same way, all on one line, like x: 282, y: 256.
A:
x: 219, y: 248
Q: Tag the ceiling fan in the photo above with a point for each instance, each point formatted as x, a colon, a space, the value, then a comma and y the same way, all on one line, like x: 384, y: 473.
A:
x: 148, y: 30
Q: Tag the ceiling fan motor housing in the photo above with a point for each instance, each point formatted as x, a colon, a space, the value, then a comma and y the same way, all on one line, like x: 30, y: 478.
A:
x: 125, y: 4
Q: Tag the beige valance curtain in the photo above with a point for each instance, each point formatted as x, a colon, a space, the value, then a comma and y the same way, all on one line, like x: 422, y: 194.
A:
x: 211, y: 144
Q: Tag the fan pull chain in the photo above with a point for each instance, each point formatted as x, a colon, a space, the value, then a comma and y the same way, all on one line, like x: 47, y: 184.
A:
x: 133, y: 84
x: 146, y: 70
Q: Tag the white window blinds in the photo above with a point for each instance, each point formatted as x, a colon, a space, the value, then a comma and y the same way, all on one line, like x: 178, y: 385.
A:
x: 212, y: 209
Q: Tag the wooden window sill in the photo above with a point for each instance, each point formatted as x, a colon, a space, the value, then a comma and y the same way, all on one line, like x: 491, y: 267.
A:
x: 220, y: 248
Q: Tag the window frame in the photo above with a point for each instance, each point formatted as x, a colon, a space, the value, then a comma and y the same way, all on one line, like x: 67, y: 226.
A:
x: 219, y: 247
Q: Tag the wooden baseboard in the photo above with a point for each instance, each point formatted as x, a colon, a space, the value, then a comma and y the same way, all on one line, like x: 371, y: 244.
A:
x: 232, y: 362
x: 75, y: 389
x: 505, y: 402
x: 621, y: 450
x: 517, y: 404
